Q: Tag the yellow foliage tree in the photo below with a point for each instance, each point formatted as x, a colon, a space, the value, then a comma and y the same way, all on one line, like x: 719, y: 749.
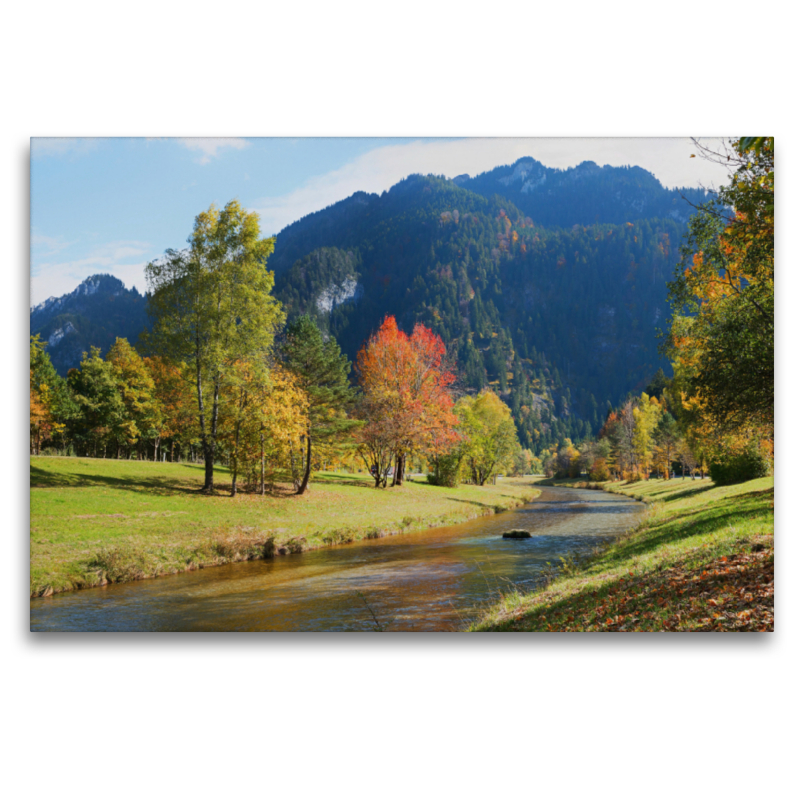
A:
x: 262, y: 419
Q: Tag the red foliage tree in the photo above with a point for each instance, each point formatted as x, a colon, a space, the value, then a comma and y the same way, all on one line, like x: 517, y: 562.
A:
x: 406, y: 386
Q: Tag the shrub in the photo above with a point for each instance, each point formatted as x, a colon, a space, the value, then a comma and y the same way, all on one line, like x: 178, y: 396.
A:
x: 446, y: 470
x: 739, y: 467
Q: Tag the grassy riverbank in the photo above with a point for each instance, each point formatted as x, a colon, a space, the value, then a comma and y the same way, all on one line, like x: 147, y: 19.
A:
x: 702, y: 559
x: 97, y: 521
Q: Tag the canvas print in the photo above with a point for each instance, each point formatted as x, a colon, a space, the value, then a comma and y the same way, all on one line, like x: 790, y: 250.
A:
x: 393, y: 385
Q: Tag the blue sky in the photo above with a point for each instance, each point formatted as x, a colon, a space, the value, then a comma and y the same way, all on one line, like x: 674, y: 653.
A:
x: 111, y: 205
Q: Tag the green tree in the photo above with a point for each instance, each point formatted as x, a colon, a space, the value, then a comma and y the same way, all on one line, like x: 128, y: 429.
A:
x: 211, y: 307
x: 490, y: 433
x: 321, y: 371
x: 101, y: 416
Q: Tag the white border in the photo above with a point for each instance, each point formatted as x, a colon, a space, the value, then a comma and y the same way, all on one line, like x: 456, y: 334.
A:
x: 355, y: 716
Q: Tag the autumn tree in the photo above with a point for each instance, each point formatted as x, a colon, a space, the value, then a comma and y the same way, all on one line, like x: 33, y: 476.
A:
x: 143, y: 414
x: 211, y: 307
x: 406, y: 383
x: 568, y: 461
x: 647, y: 412
x: 376, y: 439
x: 321, y: 372
x: 51, y: 401
x: 263, y: 416
x: 40, y: 417
x: 173, y: 388
x: 721, y: 340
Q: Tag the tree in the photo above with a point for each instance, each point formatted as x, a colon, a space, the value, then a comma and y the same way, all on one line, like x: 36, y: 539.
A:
x: 138, y: 392
x: 406, y: 383
x: 523, y: 462
x: 490, y: 434
x: 722, y: 335
x: 178, y: 403
x: 101, y: 416
x: 211, y: 307
x: 51, y: 401
x: 667, y: 438
x: 376, y: 440
x: 261, y: 421
x: 321, y: 371
x: 568, y: 461
x: 646, y: 416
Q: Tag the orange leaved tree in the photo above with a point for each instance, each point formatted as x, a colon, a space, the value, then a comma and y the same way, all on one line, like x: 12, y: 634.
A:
x: 405, y: 380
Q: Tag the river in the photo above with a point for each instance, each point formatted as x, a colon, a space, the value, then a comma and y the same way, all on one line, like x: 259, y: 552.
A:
x: 432, y: 580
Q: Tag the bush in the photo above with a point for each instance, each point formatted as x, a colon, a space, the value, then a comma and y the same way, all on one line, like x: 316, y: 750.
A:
x: 446, y: 470
x: 739, y: 467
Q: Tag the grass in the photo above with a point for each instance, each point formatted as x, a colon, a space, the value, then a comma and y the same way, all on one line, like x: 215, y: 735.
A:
x: 98, y: 521
x: 702, y: 559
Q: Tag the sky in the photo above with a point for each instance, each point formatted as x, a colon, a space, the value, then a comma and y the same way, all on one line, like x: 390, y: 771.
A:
x: 111, y: 205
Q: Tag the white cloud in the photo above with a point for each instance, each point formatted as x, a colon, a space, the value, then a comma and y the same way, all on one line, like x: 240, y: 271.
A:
x: 48, y: 244
x: 376, y: 171
x: 209, y: 146
x: 125, y: 260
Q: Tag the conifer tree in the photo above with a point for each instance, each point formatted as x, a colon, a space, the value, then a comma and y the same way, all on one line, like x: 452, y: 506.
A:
x: 321, y: 371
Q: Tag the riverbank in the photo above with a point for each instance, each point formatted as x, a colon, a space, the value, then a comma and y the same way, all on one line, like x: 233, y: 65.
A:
x: 702, y: 559
x: 99, y: 521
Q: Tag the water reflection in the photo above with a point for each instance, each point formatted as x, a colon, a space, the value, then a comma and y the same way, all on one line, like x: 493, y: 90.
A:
x: 430, y: 580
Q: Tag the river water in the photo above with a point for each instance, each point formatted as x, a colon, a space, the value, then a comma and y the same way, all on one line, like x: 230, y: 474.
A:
x: 431, y: 580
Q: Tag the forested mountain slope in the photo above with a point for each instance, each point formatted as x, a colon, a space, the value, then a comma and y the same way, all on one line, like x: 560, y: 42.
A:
x: 96, y: 313
x: 559, y: 321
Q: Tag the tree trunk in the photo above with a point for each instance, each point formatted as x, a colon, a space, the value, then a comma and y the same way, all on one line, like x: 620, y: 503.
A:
x: 207, y: 444
x: 208, y: 456
x: 307, y: 474
x: 235, y: 460
x: 262, y: 463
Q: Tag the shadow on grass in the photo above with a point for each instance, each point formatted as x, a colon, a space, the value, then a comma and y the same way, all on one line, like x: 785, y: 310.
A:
x: 684, y: 526
x: 494, y: 506
x: 44, y: 479
x: 358, y: 481
x: 690, y: 492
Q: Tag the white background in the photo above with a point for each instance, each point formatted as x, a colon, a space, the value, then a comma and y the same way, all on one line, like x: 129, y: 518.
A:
x: 394, y: 716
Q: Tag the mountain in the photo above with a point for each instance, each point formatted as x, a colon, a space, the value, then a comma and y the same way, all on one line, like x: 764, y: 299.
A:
x: 96, y: 313
x: 584, y: 195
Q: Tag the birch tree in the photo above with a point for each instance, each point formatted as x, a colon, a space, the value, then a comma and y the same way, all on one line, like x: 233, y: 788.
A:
x: 211, y: 307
